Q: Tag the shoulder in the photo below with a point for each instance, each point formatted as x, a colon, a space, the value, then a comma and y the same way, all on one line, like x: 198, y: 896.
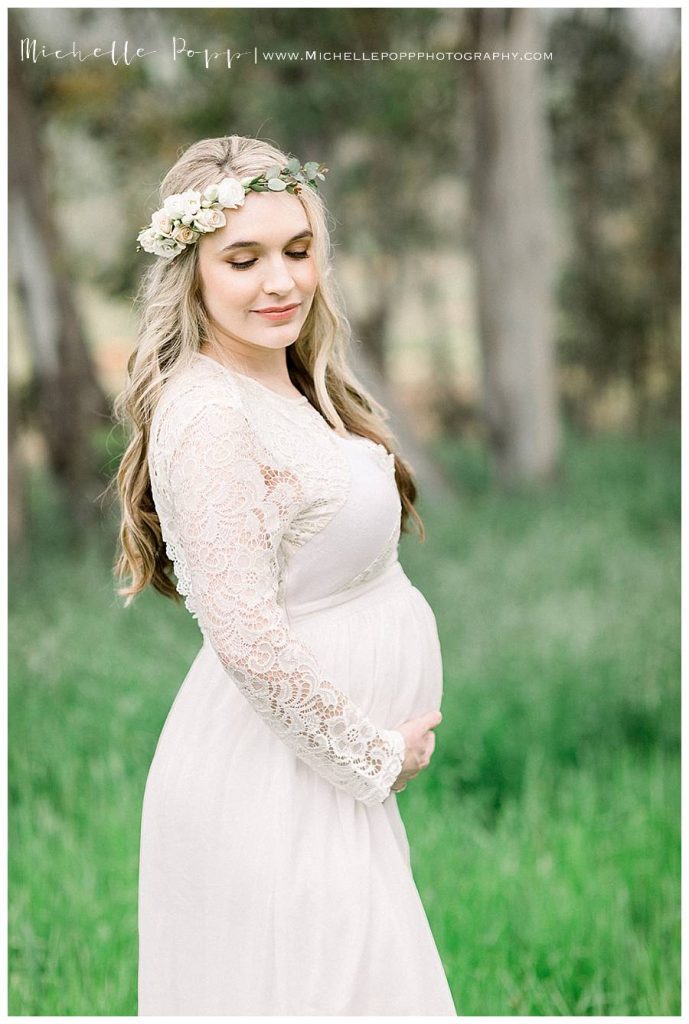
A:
x: 197, y: 396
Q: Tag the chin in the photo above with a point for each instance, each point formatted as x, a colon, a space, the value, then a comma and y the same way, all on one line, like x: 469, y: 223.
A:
x: 275, y: 342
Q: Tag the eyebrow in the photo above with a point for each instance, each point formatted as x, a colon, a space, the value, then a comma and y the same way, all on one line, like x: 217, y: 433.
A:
x: 257, y: 245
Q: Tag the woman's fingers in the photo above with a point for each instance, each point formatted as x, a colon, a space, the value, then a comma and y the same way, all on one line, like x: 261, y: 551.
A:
x: 420, y: 743
x: 425, y: 759
x: 432, y: 719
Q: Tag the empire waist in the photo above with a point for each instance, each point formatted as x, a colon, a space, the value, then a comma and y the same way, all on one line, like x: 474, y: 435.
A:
x: 391, y: 580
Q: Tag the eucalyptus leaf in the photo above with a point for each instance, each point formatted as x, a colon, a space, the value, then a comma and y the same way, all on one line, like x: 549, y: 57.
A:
x: 277, y: 185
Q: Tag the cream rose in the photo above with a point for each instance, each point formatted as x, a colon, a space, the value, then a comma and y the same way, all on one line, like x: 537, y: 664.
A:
x: 184, y: 235
x: 209, y: 220
x: 147, y: 239
x: 161, y: 221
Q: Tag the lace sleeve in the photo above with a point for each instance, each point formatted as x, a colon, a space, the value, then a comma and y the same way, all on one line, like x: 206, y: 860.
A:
x: 230, y: 507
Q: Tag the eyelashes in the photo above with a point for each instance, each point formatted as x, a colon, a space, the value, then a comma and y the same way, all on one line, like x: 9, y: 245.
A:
x: 250, y: 263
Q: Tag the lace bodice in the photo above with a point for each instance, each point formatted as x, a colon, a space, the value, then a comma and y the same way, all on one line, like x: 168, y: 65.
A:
x: 242, y: 478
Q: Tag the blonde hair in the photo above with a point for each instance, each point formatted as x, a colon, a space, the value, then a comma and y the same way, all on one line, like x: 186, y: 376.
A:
x: 174, y: 324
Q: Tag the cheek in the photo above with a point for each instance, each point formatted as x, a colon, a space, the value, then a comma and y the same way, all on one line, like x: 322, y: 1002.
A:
x: 225, y: 289
x: 308, y: 278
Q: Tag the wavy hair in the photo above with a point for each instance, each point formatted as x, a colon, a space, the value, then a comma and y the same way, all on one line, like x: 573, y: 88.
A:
x: 173, y: 324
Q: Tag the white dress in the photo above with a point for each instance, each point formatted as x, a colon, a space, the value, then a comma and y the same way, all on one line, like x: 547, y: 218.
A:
x: 275, y: 874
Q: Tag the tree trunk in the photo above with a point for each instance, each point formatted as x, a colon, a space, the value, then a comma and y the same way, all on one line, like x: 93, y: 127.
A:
x: 70, y: 402
x: 434, y: 486
x: 16, y: 484
x: 372, y: 325
x: 515, y: 250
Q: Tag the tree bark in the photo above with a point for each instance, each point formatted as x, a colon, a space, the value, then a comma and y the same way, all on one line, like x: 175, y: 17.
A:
x: 434, y: 486
x: 515, y: 250
x: 16, y: 485
x: 70, y: 402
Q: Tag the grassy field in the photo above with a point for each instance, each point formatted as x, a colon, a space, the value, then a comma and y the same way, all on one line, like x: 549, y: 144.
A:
x: 546, y: 834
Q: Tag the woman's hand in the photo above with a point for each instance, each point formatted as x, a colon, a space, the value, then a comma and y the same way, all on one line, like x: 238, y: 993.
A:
x: 420, y: 740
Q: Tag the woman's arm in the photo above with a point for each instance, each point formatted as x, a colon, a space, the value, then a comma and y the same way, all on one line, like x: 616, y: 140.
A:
x: 230, y: 507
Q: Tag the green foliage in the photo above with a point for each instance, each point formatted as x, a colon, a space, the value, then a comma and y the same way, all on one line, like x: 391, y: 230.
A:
x: 396, y: 134
x: 615, y: 120
x: 567, y: 903
x: 544, y: 836
x: 564, y: 616
x: 306, y: 107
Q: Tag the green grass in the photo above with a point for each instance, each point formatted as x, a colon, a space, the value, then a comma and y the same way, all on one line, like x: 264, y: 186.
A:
x: 545, y: 836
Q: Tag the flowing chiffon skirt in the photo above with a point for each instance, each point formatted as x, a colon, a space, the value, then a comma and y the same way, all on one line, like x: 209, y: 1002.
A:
x: 263, y: 889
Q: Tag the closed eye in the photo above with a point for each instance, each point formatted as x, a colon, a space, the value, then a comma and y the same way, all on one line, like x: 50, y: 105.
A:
x: 301, y: 255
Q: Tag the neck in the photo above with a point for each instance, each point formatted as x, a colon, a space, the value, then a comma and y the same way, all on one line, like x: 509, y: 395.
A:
x: 262, y: 363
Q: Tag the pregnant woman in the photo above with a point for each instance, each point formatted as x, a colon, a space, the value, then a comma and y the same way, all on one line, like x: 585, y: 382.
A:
x: 275, y: 875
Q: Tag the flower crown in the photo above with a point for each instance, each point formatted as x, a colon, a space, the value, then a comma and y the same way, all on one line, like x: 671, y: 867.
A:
x: 185, y: 216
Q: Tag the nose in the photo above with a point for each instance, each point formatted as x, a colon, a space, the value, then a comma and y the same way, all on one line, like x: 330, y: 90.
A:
x: 278, y: 278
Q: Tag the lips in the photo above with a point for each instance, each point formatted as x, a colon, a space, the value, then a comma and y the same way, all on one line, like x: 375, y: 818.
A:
x: 277, y: 309
x: 278, y: 314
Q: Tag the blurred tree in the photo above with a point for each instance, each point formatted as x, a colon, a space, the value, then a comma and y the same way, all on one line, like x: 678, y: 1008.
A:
x: 395, y: 134
x: 615, y: 113
x: 514, y: 249
x: 68, y: 400
x: 16, y: 482
x: 361, y: 128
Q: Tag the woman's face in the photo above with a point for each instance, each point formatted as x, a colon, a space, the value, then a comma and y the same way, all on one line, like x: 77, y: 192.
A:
x: 261, y: 258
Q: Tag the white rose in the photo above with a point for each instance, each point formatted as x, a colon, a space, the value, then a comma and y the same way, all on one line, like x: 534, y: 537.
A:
x: 231, y: 192
x: 167, y: 247
x: 174, y: 206
x: 192, y: 203
x: 210, y: 194
x: 209, y: 220
x: 161, y: 221
x: 184, y: 235
x: 147, y: 239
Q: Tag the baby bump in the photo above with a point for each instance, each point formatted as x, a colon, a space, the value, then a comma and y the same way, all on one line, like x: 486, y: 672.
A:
x: 385, y: 656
